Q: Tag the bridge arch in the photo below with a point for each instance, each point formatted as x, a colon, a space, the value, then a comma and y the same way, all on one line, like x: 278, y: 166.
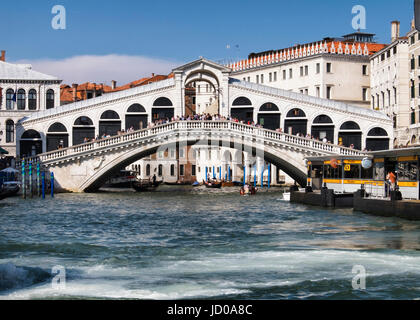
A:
x: 323, y: 127
x: 136, y: 117
x: 242, y: 109
x: 269, y: 116
x: 282, y: 160
x: 83, y: 128
x: 57, y: 137
x: 162, y: 108
x: 296, y: 122
x: 30, y: 143
x: 377, y: 139
x: 350, y: 134
x: 109, y: 123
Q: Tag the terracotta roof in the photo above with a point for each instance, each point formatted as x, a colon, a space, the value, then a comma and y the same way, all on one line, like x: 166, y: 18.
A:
x: 142, y: 82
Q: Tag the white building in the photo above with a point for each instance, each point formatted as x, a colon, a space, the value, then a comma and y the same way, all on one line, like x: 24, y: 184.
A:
x: 336, y: 69
x: 23, y: 92
x: 390, y: 82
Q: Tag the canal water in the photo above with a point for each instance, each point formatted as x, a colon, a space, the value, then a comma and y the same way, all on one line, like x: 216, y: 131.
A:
x: 201, y: 245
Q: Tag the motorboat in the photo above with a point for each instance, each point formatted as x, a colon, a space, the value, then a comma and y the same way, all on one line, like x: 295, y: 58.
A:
x: 145, y: 185
x: 213, y: 185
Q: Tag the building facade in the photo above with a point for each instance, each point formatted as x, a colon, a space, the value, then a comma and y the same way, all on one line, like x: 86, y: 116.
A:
x: 23, y: 92
x: 336, y: 69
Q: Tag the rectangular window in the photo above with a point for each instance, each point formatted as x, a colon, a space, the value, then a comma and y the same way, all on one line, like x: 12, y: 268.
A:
x: 419, y: 61
x: 318, y: 92
x: 329, y: 92
x: 328, y: 67
x: 270, y: 77
x: 306, y: 70
x: 181, y: 170
x: 181, y: 153
x: 193, y: 170
x: 173, y: 153
x: 258, y: 79
x: 284, y: 74
x: 290, y: 73
x: 262, y: 78
x: 395, y: 50
x: 318, y: 68
x: 306, y: 91
x: 364, y: 70
x: 364, y: 94
x: 249, y: 79
x: 413, y: 63
x: 275, y: 76
x: 373, y: 102
x: 301, y: 71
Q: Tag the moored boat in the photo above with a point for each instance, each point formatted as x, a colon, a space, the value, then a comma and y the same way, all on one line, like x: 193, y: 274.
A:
x: 144, y: 186
x: 213, y: 185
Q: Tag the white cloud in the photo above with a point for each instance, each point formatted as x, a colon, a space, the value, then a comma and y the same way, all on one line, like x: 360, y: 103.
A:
x: 102, y: 69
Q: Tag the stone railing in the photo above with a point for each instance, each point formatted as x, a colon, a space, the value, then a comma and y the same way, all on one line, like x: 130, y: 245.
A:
x: 195, y: 126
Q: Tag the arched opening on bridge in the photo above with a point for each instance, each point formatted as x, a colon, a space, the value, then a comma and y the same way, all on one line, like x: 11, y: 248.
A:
x: 350, y: 135
x: 162, y: 109
x: 269, y: 116
x: 83, y: 128
x: 30, y: 144
x: 201, y: 93
x: 57, y: 137
x: 377, y: 139
x: 296, y: 122
x: 110, y: 124
x: 242, y: 110
x: 136, y: 117
x: 323, y: 128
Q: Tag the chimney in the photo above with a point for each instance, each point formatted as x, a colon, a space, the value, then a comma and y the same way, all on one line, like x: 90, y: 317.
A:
x: 3, y: 56
x: 94, y: 89
x: 153, y: 75
x: 113, y: 84
x: 395, y: 30
x: 75, y: 85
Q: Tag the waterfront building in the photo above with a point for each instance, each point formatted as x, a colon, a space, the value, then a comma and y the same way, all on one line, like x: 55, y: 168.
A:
x: 23, y: 92
x: 390, y: 83
x: 333, y: 68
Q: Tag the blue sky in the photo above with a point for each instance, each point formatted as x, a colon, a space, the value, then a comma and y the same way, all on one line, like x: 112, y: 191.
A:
x: 180, y: 31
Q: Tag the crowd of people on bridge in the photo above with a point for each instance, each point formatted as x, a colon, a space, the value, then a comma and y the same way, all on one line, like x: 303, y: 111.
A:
x: 209, y: 117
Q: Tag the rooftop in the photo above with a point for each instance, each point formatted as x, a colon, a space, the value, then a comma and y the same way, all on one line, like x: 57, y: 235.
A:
x: 9, y: 71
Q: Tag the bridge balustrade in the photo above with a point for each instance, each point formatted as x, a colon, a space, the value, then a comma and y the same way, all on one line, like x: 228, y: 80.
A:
x: 196, y: 125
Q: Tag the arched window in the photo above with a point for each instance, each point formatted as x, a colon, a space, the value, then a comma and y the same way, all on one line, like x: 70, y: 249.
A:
x: 296, y: 113
x: 110, y: 115
x: 377, y: 132
x: 10, y: 131
x: 242, y: 101
x: 160, y: 170
x: 50, y: 99
x: 32, y: 99
x: 21, y: 99
x: 83, y: 121
x: 269, y: 107
x: 350, y: 125
x: 9, y: 99
x: 136, y: 108
x: 322, y: 119
x: 163, y: 102
x: 172, y: 170
x: 148, y: 170
x: 413, y: 140
x: 57, y: 128
x: 31, y: 134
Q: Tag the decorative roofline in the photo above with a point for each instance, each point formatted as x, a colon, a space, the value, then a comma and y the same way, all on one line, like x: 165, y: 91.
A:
x: 291, y: 54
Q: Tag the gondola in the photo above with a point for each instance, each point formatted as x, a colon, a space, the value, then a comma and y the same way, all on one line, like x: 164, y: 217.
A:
x: 9, y: 189
x: 213, y: 185
x: 249, y: 191
x: 144, y: 186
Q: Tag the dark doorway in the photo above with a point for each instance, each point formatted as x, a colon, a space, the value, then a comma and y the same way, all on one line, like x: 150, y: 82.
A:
x: 162, y: 113
x: 30, y: 148
x: 243, y: 114
x: 136, y: 121
x: 57, y: 141
x: 319, y: 132
x: 350, y: 138
x: 80, y: 133
x: 377, y: 144
x: 296, y: 126
x: 269, y: 121
x: 109, y: 128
